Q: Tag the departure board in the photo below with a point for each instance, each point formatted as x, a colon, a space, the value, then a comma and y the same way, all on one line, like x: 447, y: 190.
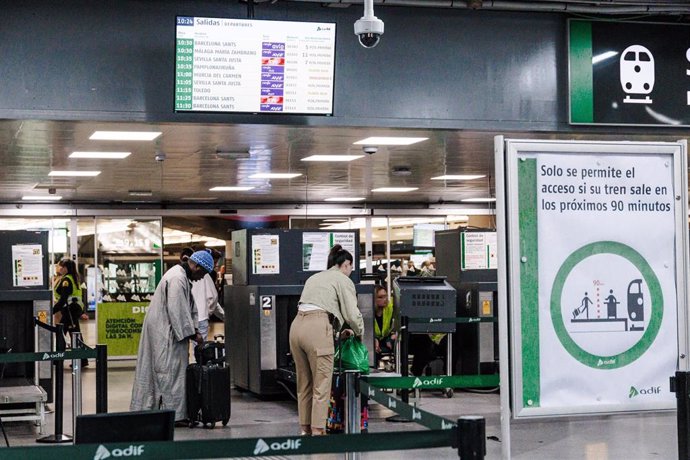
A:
x: 239, y: 65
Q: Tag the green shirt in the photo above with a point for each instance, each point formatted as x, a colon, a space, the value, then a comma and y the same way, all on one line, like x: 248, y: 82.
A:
x: 335, y: 293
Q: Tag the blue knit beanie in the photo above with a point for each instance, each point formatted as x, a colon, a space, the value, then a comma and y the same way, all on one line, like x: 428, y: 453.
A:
x: 204, y: 259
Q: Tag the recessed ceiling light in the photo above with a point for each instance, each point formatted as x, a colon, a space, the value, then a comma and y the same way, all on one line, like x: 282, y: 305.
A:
x: 390, y: 140
x: 42, y: 197
x: 478, y: 200
x: 230, y: 189
x: 459, y: 177
x: 101, y: 155
x: 124, y: 135
x: 74, y: 173
x: 274, y: 175
x: 346, y: 198
x: 395, y: 189
x: 332, y: 157
x: 140, y: 193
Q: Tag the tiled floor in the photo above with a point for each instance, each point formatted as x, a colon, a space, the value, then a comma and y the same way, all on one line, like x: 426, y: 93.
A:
x: 621, y: 437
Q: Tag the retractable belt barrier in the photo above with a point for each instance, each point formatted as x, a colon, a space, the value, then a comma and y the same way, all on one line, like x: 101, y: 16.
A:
x: 434, y: 381
x: 248, y: 447
x: 466, y: 319
x: 48, y: 356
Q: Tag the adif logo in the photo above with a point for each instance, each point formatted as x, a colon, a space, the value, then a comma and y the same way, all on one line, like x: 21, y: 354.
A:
x: 131, y: 451
x: 101, y: 453
x: 644, y: 391
x: 261, y: 447
x: 289, y: 444
x: 434, y: 381
x: 435, y: 320
x: 607, y: 362
x: 52, y: 355
x: 391, y: 403
x: 416, y: 383
x: 416, y: 415
x: 371, y: 392
x: 446, y: 425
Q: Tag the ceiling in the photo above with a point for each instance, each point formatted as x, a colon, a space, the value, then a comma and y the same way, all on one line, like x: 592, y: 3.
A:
x: 29, y: 150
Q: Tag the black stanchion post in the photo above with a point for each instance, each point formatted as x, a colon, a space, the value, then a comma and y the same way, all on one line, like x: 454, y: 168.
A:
x: 404, y: 360
x: 101, y: 379
x: 471, y: 437
x: 58, y: 437
x: 680, y: 384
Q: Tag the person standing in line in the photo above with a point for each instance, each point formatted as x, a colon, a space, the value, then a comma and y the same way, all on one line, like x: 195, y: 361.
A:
x: 384, y: 332
x: 170, y: 322
x: 328, y: 301
x: 69, y: 306
x: 206, y: 299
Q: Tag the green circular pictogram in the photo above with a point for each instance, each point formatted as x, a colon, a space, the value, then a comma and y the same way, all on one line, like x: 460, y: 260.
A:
x: 657, y: 305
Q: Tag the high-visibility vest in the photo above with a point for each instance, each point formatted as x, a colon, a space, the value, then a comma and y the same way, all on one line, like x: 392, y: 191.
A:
x: 74, y: 297
x: 387, y: 322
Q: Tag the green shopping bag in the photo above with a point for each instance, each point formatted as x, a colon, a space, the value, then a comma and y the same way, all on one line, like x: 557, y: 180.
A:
x: 352, y: 355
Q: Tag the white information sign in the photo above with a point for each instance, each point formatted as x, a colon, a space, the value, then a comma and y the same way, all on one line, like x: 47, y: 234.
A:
x: 266, y: 254
x: 479, y: 251
x: 240, y: 65
x: 596, y: 262
x: 317, y: 245
x: 27, y: 265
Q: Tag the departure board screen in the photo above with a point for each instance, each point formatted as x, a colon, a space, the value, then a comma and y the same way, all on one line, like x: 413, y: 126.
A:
x: 240, y: 65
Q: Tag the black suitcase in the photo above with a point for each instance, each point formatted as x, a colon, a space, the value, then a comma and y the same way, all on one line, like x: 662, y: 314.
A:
x: 210, y: 352
x: 208, y: 394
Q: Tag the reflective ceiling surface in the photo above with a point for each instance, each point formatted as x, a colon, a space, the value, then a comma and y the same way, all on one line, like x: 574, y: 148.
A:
x: 29, y: 150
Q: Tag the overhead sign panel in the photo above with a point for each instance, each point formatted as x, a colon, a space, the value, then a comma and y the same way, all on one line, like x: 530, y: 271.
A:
x: 239, y: 65
x: 624, y: 73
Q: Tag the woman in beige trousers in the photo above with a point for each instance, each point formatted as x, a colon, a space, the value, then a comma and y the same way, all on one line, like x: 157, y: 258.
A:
x: 328, y: 301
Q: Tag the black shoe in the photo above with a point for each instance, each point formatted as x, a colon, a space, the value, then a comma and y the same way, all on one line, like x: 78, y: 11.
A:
x: 182, y: 423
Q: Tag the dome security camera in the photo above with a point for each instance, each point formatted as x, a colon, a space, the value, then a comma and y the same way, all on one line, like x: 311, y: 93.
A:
x: 370, y: 149
x: 160, y: 156
x: 369, y: 28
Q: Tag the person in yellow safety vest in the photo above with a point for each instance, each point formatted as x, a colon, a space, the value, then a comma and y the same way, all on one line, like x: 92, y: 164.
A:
x: 384, y: 333
x: 68, y: 305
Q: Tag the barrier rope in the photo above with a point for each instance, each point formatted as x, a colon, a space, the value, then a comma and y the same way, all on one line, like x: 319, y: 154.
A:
x: 245, y: 447
x: 414, y: 414
x: 47, y: 356
x: 434, y: 382
x: 466, y: 319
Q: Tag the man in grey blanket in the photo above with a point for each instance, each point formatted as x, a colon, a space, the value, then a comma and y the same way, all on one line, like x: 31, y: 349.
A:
x: 169, y: 324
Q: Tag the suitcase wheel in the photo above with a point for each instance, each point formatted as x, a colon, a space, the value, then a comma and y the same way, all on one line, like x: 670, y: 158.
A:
x: 210, y: 425
x: 225, y: 421
x: 448, y: 392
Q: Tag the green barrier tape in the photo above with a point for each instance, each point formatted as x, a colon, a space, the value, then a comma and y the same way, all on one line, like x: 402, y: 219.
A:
x: 468, y: 319
x: 435, y: 381
x: 248, y: 447
x: 411, y: 413
x: 47, y: 356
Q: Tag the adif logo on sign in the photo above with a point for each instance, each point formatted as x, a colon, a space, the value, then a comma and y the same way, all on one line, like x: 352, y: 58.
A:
x: 606, y: 362
x: 289, y: 444
x: 391, y: 403
x: 416, y: 415
x: 644, y: 391
x: 419, y: 382
x: 132, y: 451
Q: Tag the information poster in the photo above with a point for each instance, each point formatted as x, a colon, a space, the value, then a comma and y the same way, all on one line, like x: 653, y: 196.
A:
x: 265, y: 254
x: 27, y: 265
x: 119, y: 326
x: 317, y: 245
x: 598, y: 271
x: 240, y: 65
x: 478, y: 250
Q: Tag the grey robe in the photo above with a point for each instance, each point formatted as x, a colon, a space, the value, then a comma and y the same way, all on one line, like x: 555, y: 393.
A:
x: 164, y: 348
